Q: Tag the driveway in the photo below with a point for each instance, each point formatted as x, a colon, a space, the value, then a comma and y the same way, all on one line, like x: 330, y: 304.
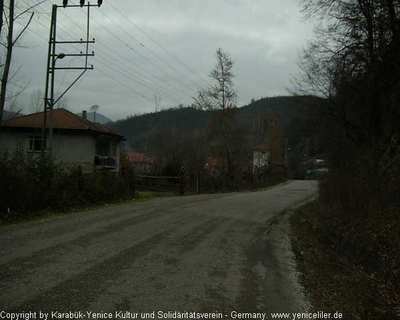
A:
x: 207, y: 253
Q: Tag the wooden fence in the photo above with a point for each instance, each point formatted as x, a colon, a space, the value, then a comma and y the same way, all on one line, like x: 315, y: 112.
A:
x: 160, y: 183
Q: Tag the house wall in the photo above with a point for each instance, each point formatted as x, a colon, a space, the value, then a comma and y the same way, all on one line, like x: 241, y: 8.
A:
x: 68, y: 148
x: 260, y: 159
x: 10, y: 141
x: 75, y: 149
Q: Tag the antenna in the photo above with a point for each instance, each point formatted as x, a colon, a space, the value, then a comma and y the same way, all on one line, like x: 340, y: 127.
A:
x: 94, y: 108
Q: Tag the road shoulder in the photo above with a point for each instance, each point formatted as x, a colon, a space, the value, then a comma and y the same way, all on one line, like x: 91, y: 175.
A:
x: 332, y: 281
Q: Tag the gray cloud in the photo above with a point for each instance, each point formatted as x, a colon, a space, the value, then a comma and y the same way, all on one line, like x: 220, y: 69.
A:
x: 262, y: 37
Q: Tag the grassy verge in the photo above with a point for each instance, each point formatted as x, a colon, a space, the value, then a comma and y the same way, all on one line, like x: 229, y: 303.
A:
x: 332, y: 279
x: 44, y: 214
x: 142, y: 196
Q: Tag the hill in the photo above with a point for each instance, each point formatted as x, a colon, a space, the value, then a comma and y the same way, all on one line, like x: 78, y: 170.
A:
x: 288, y: 110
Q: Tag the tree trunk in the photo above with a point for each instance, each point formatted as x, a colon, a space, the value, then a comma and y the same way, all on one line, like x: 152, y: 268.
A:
x: 1, y: 14
x: 6, y: 70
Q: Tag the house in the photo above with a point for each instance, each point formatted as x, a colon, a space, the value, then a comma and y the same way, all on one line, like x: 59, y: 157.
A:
x: 261, y: 156
x: 76, y: 140
x: 268, y: 140
x: 140, y: 162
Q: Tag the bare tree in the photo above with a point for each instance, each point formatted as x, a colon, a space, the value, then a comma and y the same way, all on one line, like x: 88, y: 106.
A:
x: 221, y: 98
x: 36, y: 101
x: 355, y: 63
x: 11, y: 16
x: 222, y: 95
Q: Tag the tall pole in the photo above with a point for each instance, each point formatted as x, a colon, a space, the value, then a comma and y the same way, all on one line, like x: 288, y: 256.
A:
x: 52, y: 57
x: 53, y: 64
x: 48, y: 70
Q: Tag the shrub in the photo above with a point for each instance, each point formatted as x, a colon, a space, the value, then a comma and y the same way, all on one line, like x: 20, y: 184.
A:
x: 32, y: 184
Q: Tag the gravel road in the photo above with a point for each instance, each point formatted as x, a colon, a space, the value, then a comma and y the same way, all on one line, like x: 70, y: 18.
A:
x: 197, y: 253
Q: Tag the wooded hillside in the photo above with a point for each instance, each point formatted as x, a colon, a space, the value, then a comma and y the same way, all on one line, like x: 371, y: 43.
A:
x: 292, y: 113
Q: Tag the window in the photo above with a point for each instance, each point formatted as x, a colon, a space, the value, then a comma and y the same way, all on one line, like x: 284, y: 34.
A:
x: 35, y: 143
x: 102, y: 148
x: 113, y: 149
x: 106, y: 148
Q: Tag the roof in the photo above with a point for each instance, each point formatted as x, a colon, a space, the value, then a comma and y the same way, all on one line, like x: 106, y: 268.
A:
x: 137, y: 157
x: 261, y: 147
x: 62, y: 119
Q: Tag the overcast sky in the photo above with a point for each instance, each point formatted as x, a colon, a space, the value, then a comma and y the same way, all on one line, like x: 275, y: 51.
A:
x: 163, y: 47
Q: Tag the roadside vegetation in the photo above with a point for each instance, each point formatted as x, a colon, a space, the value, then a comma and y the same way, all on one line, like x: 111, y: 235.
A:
x: 348, y: 242
x: 346, y: 268
x: 31, y: 187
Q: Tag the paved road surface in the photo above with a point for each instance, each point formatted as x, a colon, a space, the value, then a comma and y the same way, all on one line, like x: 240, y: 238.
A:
x: 201, y: 253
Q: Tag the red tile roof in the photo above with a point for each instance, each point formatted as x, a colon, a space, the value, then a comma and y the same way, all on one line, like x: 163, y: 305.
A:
x: 137, y: 157
x: 261, y: 147
x: 62, y: 119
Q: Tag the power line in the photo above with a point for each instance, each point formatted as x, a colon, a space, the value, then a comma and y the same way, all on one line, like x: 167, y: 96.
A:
x: 157, y: 88
x: 126, y: 74
x: 30, y: 30
x: 145, y: 70
x: 149, y: 50
x: 139, y: 54
x: 123, y: 70
x: 136, y: 52
x: 129, y: 61
x: 152, y: 87
x: 158, y: 44
x: 124, y: 85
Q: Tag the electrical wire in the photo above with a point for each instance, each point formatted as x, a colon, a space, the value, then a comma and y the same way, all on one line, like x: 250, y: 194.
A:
x: 140, y: 55
x: 149, y: 50
x: 149, y: 84
x: 107, y: 47
x: 125, y: 74
x: 158, y: 44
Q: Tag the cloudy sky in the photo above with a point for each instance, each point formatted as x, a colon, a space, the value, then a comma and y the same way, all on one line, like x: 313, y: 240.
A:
x: 164, y: 48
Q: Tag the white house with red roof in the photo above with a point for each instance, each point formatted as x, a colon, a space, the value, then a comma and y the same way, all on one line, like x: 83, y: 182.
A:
x: 76, y: 140
x: 140, y: 162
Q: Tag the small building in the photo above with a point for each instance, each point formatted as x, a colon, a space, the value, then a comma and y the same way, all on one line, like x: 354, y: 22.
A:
x: 140, y: 162
x: 261, y: 156
x: 76, y: 140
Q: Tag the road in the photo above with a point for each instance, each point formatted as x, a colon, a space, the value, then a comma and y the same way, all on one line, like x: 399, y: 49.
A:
x: 197, y: 253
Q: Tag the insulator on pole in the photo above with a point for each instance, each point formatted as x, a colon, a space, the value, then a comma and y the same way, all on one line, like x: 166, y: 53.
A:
x: 65, y: 3
x: 82, y: 3
x: 99, y: 2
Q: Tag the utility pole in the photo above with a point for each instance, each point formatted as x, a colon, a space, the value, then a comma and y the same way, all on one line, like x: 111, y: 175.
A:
x: 52, y: 57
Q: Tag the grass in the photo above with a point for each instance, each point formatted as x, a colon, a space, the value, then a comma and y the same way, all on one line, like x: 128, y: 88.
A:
x: 331, y: 279
x: 141, y: 196
x: 150, y: 195
x: 45, y: 214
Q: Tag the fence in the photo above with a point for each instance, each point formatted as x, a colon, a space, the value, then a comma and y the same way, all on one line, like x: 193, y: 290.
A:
x: 160, y: 183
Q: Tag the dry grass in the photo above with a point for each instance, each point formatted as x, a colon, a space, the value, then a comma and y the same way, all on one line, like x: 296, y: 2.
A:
x: 335, y: 270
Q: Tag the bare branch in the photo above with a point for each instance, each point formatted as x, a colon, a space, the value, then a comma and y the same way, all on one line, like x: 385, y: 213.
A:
x: 23, y: 30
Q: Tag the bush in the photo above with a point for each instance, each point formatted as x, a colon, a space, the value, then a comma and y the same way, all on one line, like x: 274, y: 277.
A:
x: 31, y: 185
